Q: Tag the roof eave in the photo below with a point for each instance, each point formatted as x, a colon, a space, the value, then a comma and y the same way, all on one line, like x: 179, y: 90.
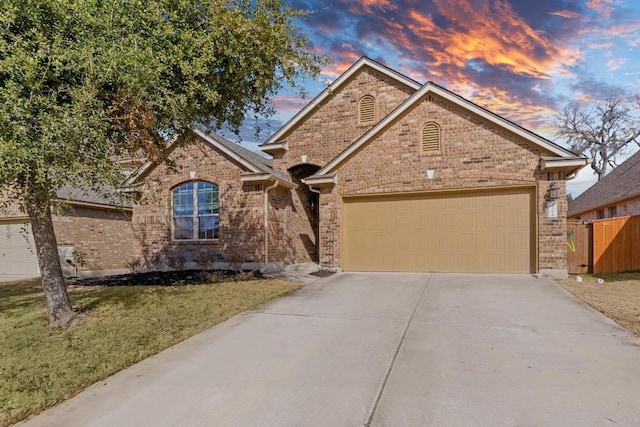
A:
x: 262, y: 178
x: 328, y: 180
x: 427, y: 89
x: 563, y: 164
x: 241, y: 160
x: 275, y: 148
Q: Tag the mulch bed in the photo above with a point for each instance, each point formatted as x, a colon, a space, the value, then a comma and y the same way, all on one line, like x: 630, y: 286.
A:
x: 167, y: 278
x: 322, y: 273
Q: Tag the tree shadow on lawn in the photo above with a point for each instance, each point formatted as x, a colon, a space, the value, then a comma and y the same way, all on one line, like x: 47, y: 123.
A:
x: 20, y: 294
x: 89, y: 293
x: 28, y: 293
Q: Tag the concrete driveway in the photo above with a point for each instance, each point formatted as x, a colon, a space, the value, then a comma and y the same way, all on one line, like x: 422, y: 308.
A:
x: 385, y: 350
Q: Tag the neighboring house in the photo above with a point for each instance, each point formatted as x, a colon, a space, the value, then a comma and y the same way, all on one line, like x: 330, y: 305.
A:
x: 616, y: 194
x: 91, y: 232
x: 376, y: 173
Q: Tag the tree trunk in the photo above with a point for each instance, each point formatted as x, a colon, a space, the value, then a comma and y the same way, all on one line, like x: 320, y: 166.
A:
x: 55, y: 291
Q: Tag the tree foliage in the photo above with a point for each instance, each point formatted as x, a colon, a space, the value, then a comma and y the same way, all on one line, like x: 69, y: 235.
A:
x: 602, y: 130
x: 85, y: 82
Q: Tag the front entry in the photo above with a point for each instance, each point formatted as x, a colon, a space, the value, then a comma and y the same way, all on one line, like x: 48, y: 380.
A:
x: 305, y: 218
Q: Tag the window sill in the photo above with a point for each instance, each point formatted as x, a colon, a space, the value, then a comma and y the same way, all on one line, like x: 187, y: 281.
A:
x: 196, y: 242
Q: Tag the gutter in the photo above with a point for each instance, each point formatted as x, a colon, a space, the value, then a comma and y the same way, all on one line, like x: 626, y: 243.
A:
x: 270, y: 182
x: 266, y: 221
x: 266, y: 179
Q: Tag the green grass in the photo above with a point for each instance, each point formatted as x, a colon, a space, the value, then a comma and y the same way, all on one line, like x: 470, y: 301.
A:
x: 40, y: 366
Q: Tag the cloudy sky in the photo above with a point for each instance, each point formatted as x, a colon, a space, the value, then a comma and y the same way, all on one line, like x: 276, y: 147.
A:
x: 522, y: 59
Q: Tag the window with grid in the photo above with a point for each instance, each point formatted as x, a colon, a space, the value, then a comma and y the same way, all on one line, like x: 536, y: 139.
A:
x: 430, y: 138
x: 196, y: 211
x: 367, y: 110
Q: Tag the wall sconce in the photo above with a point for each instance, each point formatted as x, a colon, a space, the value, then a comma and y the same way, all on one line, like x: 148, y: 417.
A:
x: 554, y: 191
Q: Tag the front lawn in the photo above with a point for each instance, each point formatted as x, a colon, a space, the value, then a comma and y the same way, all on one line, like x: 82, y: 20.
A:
x: 617, y: 298
x: 40, y: 366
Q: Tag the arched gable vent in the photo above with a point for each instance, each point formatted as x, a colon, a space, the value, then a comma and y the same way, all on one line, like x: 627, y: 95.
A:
x: 430, y: 138
x: 367, y: 110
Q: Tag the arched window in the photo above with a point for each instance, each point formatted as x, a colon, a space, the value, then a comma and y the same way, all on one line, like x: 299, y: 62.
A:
x: 195, y: 211
x: 430, y: 138
x: 367, y: 110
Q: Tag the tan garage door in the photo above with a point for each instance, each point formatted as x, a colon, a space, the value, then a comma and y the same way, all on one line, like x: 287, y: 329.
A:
x: 17, y: 254
x: 471, y: 231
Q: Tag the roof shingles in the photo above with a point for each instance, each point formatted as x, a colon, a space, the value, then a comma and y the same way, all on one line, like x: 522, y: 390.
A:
x: 621, y: 183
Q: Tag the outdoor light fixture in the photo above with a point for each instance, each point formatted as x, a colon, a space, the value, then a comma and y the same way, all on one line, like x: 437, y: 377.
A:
x: 554, y: 191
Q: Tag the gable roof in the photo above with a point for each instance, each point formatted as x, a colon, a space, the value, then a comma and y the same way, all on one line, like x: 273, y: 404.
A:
x: 252, y: 162
x: 432, y: 88
x: 363, y: 62
x: 82, y: 196
x: 621, y: 183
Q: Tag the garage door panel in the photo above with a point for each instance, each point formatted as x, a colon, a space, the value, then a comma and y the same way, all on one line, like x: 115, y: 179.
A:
x: 484, y: 231
x: 17, y: 251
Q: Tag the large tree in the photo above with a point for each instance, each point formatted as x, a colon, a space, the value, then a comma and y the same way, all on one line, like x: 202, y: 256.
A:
x: 85, y: 82
x: 602, y: 130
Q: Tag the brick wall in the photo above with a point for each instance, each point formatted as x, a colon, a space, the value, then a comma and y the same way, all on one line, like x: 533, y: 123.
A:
x: 280, y: 241
x: 333, y: 126
x: 102, y: 237
x: 241, y: 214
x: 552, y: 232
x: 474, y: 154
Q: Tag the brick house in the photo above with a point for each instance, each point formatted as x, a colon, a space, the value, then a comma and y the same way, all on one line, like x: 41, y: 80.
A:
x: 92, y: 232
x: 616, y: 194
x: 378, y: 172
x: 210, y: 209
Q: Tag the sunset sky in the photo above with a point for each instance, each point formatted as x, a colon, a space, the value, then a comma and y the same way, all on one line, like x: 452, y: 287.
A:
x: 522, y: 59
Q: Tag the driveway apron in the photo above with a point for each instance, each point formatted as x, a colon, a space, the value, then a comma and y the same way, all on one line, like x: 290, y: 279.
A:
x: 385, y: 349
x: 488, y: 350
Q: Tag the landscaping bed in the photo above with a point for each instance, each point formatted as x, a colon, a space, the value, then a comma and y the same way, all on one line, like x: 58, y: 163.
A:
x: 618, y: 297
x: 126, y: 319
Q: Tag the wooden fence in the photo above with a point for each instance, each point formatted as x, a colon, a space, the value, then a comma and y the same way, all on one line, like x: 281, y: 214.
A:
x: 604, y: 246
x: 579, y: 248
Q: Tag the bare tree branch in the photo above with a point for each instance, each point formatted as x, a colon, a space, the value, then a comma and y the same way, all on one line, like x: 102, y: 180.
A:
x: 603, y: 130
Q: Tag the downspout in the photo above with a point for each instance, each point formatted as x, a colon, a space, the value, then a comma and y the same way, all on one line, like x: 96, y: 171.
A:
x: 314, y: 190
x: 266, y: 221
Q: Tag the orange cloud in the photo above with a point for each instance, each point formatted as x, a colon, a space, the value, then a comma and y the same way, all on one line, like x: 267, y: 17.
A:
x: 383, y: 4
x: 486, y: 32
x: 347, y: 57
x: 492, y: 33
